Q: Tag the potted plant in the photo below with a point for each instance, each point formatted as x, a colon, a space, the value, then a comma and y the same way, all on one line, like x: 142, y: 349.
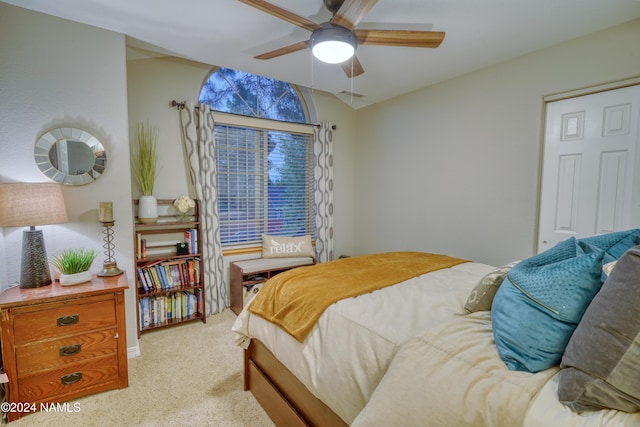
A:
x: 144, y: 158
x: 74, y: 265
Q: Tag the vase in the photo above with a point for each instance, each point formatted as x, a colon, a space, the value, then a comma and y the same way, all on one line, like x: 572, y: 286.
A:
x: 148, y: 210
x: 75, y: 279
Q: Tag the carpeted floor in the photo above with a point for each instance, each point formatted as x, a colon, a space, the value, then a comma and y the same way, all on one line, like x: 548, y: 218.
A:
x: 187, y: 375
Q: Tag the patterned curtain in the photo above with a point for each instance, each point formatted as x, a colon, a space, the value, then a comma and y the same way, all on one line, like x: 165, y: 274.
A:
x: 197, y: 125
x: 323, y: 189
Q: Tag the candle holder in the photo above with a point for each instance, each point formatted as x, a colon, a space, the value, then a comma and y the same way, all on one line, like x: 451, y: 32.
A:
x: 109, y: 266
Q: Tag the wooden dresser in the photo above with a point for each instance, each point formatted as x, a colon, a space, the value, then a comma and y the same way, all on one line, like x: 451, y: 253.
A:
x: 62, y: 342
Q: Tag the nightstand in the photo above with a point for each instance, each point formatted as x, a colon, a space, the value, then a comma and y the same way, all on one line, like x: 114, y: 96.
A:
x: 62, y: 342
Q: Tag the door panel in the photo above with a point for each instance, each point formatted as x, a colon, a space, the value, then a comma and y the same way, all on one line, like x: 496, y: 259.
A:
x: 611, y: 201
x: 590, y: 178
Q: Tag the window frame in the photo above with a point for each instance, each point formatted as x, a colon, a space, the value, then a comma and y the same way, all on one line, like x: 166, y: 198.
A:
x: 227, y: 119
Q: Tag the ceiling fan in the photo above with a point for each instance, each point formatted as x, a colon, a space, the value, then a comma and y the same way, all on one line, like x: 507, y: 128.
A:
x: 339, y: 35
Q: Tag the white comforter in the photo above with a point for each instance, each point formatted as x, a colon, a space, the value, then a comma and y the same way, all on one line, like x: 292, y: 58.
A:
x: 406, y: 355
x: 452, y: 375
x: 349, y: 349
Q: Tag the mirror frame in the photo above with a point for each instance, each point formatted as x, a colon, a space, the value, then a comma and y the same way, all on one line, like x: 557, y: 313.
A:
x: 47, y: 142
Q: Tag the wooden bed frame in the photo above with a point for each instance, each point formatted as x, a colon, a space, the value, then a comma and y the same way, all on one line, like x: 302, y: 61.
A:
x: 284, y: 398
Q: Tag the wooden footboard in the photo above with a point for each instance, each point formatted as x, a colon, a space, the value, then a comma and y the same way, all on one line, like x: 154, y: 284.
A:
x: 285, y: 399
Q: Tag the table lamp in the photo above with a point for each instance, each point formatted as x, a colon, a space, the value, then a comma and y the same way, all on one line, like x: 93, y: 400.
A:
x: 22, y: 205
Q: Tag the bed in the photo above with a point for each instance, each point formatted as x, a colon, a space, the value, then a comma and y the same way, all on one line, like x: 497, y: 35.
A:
x: 407, y: 353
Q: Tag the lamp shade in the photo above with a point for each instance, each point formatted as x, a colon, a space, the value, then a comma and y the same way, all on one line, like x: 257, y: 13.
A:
x: 332, y: 43
x: 27, y: 204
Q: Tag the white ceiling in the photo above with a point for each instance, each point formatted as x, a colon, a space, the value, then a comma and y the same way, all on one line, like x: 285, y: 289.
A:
x: 228, y: 33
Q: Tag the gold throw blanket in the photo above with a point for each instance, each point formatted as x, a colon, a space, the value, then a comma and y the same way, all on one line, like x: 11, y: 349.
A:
x: 295, y: 299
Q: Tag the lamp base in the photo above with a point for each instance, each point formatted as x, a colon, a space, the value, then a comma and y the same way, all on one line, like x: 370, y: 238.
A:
x: 109, y: 269
x: 35, y: 266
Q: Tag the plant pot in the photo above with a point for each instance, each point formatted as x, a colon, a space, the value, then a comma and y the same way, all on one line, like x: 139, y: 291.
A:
x: 75, y: 279
x: 148, y: 210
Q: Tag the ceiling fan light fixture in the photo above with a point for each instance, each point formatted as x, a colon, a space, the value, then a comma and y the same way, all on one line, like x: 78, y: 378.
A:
x: 333, y: 44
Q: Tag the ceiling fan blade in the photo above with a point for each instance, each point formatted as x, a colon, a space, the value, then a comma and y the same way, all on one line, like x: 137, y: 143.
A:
x: 281, y: 13
x: 355, y: 71
x: 351, y: 12
x: 284, y: 50
x: 404, y: 38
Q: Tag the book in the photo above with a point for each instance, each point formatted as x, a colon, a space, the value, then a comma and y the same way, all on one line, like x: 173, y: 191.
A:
x: 142, y: 281
x: 194, y: 240
x: 184, y: 301
x: 164, y: 282
x: 199, y: 297
x: 154, y: 278
x: 154, y: 311
x: 187, y: 239
x: 196, y: 265
x: 148, y: 280
x: 146, y: 312
x: 174, y: 307
x: 138, y: 246
x: 191, y: 272
x: 169, y: 308
x: 192, y: 304
x: 143, y: 248
x: 168, y: 276
x: 175, y: 275
x: 162, y: 316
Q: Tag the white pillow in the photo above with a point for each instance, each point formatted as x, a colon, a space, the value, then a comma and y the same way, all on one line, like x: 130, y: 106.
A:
x: 284, y: 247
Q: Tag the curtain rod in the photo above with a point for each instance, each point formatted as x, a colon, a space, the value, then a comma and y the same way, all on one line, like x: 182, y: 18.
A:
x: 180, y: 106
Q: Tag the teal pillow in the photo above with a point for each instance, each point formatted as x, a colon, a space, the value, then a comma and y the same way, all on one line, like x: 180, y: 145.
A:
x: 614, y: 244
x: 540, y: 303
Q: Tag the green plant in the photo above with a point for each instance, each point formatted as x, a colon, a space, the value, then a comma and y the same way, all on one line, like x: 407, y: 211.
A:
x: 144, y: 158
x: 73, y: 260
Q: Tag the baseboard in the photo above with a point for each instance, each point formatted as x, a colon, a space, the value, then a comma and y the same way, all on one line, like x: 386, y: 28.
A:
x: 133, y: 352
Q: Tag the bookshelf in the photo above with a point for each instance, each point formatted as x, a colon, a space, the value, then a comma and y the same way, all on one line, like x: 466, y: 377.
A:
x: 169, y: 268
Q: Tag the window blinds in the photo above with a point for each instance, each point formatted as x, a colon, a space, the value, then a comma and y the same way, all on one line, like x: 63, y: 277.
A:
x: 264, y: 183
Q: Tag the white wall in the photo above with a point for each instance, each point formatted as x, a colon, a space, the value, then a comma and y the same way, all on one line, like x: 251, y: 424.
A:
x: 454, y: 168
x: 57, y: 73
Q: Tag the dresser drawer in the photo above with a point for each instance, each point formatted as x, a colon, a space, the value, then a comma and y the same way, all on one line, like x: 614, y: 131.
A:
x: 62, y: 319
x: 47, y: 354
x: 57, y: 384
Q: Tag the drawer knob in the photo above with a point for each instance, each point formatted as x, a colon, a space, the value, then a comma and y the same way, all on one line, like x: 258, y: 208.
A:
x: 72, y: 319
x: 71, y: 378
x: 70, y: 350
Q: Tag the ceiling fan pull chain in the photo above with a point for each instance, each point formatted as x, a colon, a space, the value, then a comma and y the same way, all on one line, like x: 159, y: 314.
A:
x: 351, y: 91
x: 312, y: 74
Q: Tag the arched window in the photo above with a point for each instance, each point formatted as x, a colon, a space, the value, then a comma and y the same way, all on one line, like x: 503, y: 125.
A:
x: 236, y: 92
x: 263, y: 156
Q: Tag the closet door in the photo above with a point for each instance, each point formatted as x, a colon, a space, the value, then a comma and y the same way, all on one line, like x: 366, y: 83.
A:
x: 591, y: 173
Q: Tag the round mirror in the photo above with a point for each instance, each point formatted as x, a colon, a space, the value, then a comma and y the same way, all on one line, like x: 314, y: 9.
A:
x: 70, y: 156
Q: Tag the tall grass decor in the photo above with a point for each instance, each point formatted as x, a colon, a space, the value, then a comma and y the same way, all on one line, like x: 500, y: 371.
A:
x: 145, y: 157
